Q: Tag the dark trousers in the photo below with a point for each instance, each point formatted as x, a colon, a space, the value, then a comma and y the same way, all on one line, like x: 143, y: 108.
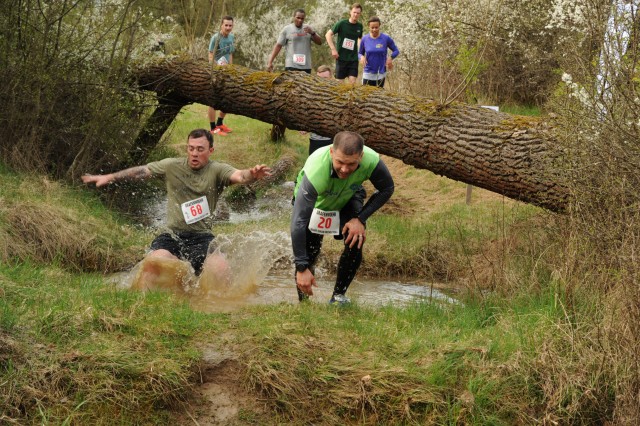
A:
x: 350, y: 259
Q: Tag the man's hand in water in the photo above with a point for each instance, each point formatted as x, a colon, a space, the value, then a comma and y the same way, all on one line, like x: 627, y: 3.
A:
x: 305, y: 281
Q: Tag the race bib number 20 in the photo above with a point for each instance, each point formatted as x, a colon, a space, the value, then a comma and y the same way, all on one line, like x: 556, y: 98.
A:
x: 325, y: 222
x: 195, y: 210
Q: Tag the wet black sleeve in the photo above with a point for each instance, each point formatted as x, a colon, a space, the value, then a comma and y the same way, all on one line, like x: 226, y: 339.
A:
x: 383, y: 182
x: 302, y: 209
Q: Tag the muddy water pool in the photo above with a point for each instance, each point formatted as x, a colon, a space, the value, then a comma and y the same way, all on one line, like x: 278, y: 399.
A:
x: 261, y: 266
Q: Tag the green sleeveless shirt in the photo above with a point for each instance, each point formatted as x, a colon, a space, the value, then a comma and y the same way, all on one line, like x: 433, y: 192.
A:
x: 333, y: 192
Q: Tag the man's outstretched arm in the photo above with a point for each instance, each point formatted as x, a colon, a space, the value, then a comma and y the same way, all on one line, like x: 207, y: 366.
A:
x: 132, y: 173
x: 253, y: 174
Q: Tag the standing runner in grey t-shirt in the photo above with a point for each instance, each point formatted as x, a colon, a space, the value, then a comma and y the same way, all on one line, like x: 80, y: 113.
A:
x: 296, y: 37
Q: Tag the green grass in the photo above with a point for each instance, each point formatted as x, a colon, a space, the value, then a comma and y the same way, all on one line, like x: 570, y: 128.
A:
x: 433, y: 352
x: 521, y: 110
x: 88, y: 348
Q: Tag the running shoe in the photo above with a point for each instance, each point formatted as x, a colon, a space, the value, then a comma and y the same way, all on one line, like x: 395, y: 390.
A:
x: 218, y: 131
x: 224, y: 128
x: 339, y: 299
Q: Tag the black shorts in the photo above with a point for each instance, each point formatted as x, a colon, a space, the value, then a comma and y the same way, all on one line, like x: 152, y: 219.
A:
x: 318, y: 143
x: 346, y: 69
x: 190, y: 246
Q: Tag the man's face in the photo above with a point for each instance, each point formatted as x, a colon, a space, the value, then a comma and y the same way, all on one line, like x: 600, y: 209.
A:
x: 354, y: 15
x: 374, y: 29
x: 298, y: 19
x: 344, y: 164
x: 226, y: 27
x: 324, y: 74
x: 199, y: 152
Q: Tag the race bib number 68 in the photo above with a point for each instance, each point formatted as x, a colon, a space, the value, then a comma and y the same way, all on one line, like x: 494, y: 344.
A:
x: 195, y: 210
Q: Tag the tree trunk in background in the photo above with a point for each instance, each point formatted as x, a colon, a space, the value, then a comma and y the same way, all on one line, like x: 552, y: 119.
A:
x: 510, y: 155
x: 156, y: 125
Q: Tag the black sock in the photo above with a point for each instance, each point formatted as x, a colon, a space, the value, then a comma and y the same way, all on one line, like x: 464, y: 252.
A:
x: 212, y: 125
x: 219, y: 123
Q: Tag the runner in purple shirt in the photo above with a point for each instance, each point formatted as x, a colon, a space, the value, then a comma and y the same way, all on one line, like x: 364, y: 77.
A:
x: 373, y: 54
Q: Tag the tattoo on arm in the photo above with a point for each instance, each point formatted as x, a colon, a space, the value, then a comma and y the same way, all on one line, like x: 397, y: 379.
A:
x: 133, y: 173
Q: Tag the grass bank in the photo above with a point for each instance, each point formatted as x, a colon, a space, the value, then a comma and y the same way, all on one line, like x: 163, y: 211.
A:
x: 76, y: 350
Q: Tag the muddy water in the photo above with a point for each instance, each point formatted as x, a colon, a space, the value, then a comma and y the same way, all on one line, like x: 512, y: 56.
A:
x: 261, y: 270
x: 260, y: 265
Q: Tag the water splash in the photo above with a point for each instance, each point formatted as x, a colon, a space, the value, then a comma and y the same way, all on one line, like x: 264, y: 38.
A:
x: 238, y: 263
x: 257, y: 270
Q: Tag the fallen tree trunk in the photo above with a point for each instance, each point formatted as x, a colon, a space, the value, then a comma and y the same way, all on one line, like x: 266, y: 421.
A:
x: 511, y: 155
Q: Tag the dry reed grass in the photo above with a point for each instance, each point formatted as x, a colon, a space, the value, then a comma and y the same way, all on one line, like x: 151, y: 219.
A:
x: 36, y: 226
x: 309, y: 389
x: 50, y: 234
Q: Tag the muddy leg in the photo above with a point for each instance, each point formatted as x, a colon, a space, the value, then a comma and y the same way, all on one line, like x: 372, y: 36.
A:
x: 160, y: 270
x: 216, y: 273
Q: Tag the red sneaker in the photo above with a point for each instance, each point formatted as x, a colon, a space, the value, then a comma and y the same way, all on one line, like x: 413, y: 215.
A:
x: 218, y: 131
x: 224, y: 128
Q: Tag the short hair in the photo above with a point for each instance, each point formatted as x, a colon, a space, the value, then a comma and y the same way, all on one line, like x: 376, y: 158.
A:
x: 226, y: 18
x: 356, y: 6
x: 374, y: 19
x: 299, y: 11
x: 198, y: 133
x: 323, y: 68
x: 348, y: 143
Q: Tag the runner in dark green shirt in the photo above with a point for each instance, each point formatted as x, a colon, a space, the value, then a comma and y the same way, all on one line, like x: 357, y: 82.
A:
x: 349, y: 32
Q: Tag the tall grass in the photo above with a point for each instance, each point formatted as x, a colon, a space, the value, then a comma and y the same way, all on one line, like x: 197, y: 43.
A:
x: 74, y: 349
x: 428, y: 363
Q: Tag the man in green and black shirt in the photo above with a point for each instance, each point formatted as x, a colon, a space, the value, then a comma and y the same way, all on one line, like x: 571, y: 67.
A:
x: 328, y: 201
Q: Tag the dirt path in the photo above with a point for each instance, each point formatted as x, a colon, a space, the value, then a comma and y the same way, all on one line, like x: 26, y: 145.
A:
x: 220, y: 398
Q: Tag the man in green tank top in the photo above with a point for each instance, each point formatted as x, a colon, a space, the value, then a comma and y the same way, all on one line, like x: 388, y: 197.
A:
x: 194, y: 184
x: 327, y: 202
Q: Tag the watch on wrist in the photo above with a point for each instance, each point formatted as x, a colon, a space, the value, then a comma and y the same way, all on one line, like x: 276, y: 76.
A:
x: 301, y: 267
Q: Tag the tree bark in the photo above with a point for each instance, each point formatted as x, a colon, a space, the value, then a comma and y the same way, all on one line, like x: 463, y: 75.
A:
x: 155, y: 126
x: 511, y: 155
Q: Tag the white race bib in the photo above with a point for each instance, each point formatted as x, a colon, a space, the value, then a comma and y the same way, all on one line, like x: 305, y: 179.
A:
x: 299, y: 59
x: 223, y: 61
x: 325, y: 223
x: 195, y: 210
x: 347, y: 43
